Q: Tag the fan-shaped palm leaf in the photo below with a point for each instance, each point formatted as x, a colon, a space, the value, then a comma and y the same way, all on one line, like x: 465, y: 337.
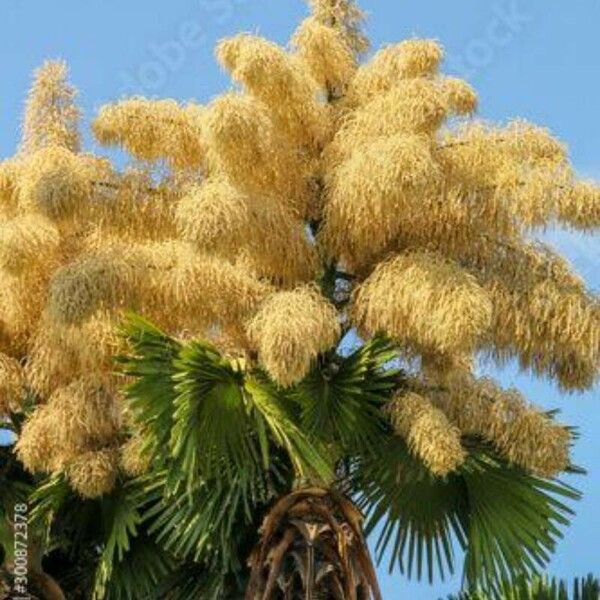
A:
x: 507, y: 521
x: 542, y: 588
x: 209, y: 418
x: 342, y: 397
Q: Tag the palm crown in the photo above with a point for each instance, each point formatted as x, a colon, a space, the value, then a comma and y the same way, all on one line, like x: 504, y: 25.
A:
x: 319, y: 256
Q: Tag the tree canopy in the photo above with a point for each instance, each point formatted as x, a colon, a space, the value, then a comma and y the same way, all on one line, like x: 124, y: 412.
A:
x: 326, y: 195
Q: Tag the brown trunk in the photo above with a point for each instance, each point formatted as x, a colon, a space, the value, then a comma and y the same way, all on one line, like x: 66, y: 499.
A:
x: 41, y: 585
x: 46, y: 586
x: 312, y: 546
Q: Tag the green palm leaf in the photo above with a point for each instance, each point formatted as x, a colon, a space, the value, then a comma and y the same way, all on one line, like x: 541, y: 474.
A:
x: 417, y: 516
x: 228, y: 443
x: 211, y: 522
x: 114, y: 558
x: 513, y: 523
x: 151, y: 393
x: 541, y: 588
x: 125, y: 545
x: 138, y: 575
x: 274, y: 412
x: 506, y: 520
x: 205, y: 416
x: 218, y: 429
x: 211, y: 431
x: 341, y: 398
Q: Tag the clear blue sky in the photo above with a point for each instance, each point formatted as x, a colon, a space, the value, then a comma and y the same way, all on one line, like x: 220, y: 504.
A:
x: 531, y: 58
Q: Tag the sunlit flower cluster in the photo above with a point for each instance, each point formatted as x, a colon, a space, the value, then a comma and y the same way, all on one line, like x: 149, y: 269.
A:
x: 325, y: 193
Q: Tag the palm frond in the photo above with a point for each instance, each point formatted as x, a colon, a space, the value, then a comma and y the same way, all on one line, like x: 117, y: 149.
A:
x: 47, y: 499
x: 211, y: 432
x: 513, y: 523
x: 120, y: 513
x: 506, y: 520
x: 209, y: 523
x: 341, y: 398
x: 138, y: 575
x: 151, y: 392
x: 207, y: 417
x: 222, y: 426
x: 104, y: 538
x: 540, y: 588
x: 417, y: 516
x: 274, y: 412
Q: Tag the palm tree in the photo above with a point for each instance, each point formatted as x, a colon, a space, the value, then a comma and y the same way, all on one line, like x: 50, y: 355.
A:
x: 258, y: 491
x: 319, y: 258
x: 543, y: 588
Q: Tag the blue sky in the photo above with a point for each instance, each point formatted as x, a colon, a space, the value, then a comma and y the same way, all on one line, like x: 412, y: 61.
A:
x: 531, y: 58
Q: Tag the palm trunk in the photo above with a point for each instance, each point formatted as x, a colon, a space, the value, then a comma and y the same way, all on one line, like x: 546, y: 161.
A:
x: 47, y: 586
x: 42, y: 586
x: 312, y: 547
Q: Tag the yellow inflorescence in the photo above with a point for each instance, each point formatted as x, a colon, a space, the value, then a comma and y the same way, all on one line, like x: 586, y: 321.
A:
x: 273, y: 76
x: 346, y: 18
x: 154, y: 129
x: 406, y: 60
x: 326, y: 55
x: 35, y: 443
x: 94, y: 473
x: 133, y: 460
x: 415, y: 106
x: 150, y: 277
x: 12, y: 385
x: 257, y: 157
x: 232, y: 217
x: 290, y: 330
x: 24, y: 239
x: 459, y: 97
x: 51, y: 115
x: 524, y: 435
x: 9, y: 175
x: 428, y: 433
x: 387, y: 177
x: 81, y: 415
x: 543, y: 315
x: 425, y: 303
x: 22, y: 297
x: 579, y: 206
x: 59, y: 352
x: 55, y: 182
x: 217, y: 218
